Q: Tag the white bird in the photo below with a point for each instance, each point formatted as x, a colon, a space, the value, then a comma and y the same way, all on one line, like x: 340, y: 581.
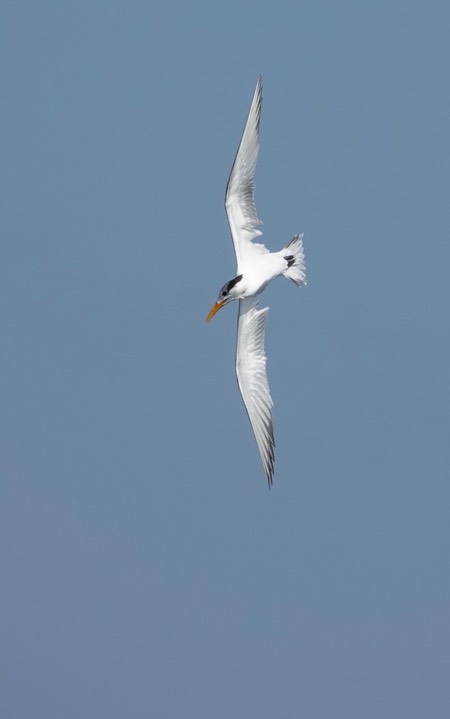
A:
x: 256, y: 267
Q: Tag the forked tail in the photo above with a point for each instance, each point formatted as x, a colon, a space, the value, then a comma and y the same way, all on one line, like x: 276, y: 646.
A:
x: 295, y: 258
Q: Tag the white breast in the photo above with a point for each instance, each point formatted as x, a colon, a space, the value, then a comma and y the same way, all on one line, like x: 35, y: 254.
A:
x: 259, y: 270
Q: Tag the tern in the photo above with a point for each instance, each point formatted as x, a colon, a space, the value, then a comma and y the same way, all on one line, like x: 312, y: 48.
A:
x: 256, y: 267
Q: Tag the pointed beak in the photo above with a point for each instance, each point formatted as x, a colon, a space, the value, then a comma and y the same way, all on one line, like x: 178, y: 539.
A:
x: 215, y: 308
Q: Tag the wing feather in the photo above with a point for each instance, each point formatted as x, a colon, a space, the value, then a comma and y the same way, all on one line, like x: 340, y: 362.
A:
x: 252, y: 379
x: 239, y: 196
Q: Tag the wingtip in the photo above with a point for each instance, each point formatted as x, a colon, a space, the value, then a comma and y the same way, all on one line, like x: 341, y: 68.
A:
x: 259, y: 87
x: 270, y: 470
x: 258, y: 95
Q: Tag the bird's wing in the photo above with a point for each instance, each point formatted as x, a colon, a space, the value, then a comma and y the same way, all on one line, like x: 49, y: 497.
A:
x: 239, y: 196
x: 252, y: 379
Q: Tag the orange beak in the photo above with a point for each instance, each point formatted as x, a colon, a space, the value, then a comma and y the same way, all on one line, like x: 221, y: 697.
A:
x: 215, y: 308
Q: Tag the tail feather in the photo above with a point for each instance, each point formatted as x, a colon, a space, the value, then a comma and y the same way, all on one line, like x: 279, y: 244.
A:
x: 295, y: 257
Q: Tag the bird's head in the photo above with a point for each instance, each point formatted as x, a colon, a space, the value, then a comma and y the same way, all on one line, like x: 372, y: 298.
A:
x: 232, y: 290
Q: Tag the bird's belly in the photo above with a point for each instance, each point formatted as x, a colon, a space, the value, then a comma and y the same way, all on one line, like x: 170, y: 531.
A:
x: 258, y: 274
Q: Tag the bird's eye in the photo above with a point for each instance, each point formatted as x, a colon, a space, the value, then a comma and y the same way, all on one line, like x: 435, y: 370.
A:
x: 224, y: 294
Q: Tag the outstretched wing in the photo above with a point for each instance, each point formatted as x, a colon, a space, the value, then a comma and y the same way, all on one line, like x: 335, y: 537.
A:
x: 252, y: 379
x: 239, y: 196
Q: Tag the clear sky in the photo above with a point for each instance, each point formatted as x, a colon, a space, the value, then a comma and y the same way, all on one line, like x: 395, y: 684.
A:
x: 146, y: 569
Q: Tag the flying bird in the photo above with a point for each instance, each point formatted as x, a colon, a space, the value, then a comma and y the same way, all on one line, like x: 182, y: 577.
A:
x: 256, y: 267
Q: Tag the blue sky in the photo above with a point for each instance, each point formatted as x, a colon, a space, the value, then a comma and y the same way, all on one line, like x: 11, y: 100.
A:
x: 146, y: 568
